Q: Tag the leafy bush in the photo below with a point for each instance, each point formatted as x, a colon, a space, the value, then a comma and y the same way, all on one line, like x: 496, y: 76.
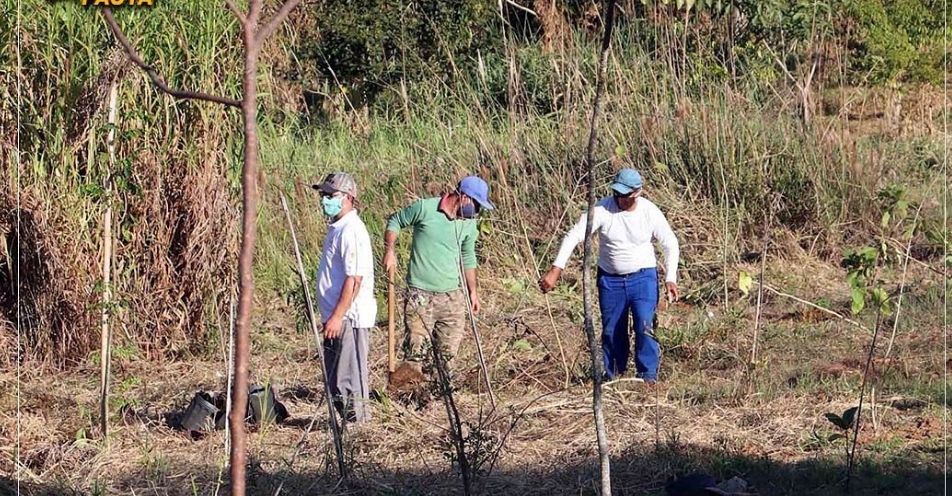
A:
x: 366, y: 45
x: 896, y: 40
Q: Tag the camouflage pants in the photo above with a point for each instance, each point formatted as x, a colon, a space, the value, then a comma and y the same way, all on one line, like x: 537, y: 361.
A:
x: 440, y: 315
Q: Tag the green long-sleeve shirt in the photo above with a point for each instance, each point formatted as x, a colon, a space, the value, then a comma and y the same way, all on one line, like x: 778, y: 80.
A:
x: 437, y: 245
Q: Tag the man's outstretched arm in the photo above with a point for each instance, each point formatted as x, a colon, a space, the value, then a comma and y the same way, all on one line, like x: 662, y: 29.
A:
x: 569, y: 242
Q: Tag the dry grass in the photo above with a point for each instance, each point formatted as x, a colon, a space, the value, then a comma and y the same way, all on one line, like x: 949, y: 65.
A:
x: 702, y: 152
x: 56, y: 278
x: 700, y: 418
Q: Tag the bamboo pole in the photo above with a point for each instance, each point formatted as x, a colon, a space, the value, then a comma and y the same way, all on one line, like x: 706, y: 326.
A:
x: 105, y: 354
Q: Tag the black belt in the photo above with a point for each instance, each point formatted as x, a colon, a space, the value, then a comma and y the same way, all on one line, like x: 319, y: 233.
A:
x: 604, y: 272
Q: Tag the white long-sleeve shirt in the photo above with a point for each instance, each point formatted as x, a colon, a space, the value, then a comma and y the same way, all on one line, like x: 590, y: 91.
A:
x: 624, y: 239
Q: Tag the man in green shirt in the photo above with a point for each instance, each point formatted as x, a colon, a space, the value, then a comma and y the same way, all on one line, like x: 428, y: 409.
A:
x: 444, y: 236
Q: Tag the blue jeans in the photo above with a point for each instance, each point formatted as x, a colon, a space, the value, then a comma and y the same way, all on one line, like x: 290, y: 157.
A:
x: 619, y: 296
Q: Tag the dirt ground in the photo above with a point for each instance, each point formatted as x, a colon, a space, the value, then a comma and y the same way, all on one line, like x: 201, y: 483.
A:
x: 714, y: 411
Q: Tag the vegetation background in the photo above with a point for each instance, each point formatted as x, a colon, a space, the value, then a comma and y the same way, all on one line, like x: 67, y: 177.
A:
x: 812, y: 129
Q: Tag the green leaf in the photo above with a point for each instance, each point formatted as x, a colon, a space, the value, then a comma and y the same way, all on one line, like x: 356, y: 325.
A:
x: 485, y: 227
x: 92, y: 190
x: 910, y: 230
x: 522, y: 345
x: 881, y: 299
x: 852, y: 278
x: 858, y: 296
x: 902, y: 208
x: 884, y: 223
x: 620, y: 151
x: 744, y: 282
x: 849, y: 417
x: 879, y: 295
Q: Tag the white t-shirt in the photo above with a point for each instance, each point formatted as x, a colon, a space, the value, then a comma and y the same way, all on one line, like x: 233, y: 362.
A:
x: 624, y: 239
x: 347, y: 252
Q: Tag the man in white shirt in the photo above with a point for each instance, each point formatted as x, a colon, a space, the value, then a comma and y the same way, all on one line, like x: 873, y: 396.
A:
x: 627, y: 273
x: 345, y: 297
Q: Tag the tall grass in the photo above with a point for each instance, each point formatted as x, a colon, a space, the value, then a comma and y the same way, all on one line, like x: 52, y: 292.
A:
x: 170, y: 186
x: 715, y: 153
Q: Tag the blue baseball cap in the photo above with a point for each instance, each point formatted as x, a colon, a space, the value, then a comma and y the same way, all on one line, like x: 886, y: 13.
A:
x: 477, y: 189
x: 626, y: 181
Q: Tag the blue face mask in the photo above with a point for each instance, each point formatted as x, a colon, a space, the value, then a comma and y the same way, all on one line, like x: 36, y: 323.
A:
x: 467, y: 210
x: 332, y: 206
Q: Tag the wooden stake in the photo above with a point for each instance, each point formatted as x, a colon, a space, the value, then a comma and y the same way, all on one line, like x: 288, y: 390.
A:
x: 479, y: 345
x: 760, y: 291
x: 231, y: 369
x: 391, y: 317
x: 105, y: 353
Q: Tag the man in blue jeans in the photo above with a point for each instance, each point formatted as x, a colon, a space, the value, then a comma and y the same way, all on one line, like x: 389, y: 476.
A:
x: 626, y: 224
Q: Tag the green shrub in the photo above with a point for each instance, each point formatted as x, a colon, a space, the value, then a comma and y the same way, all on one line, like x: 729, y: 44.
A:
x: 896, y: 40
x: 366, y: 45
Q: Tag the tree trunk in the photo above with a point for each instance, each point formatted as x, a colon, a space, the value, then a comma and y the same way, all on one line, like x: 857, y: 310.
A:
x: 246, y: 256
x: 602, y: 437
x: 252, y: 40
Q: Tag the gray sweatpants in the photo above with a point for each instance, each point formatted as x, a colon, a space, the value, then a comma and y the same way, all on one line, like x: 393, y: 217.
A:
x: 348, y: 373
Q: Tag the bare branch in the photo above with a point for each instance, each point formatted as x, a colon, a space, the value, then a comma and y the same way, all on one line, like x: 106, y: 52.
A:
x: 153, y: 75
x: 520, y: 7
x: 814, y: 305
x: 806, y: 84
x: 234, y: 10
x: 783, y: 66
x: 276, y: 20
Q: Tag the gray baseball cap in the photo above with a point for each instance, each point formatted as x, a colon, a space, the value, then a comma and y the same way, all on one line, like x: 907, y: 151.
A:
x: 338, y: 181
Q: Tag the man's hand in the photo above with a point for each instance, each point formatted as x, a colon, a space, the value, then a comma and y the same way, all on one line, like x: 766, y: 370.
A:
x: 334, y: 327
x: 550, y: 279
x: 389, y: 260
x: 671, y: 288
x: 474, y: 302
